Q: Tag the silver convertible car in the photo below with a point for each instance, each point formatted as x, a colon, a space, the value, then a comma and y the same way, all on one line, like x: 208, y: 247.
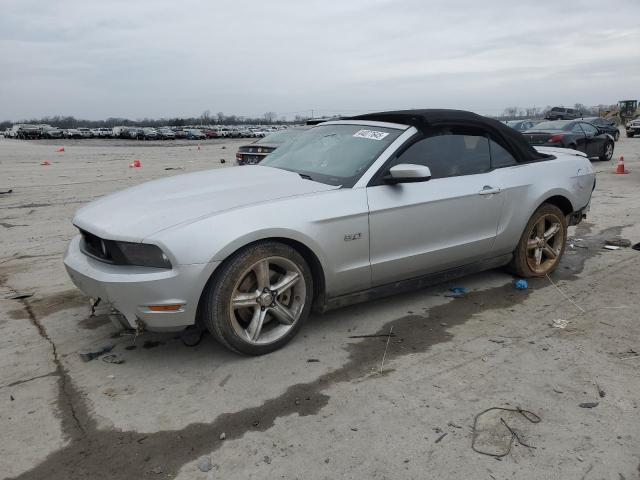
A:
x: 351, y: 210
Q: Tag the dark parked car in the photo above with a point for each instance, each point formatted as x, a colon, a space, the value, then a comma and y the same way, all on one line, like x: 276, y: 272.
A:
x: 51, y: 132
x: 179, y: 133
x: 165, y: 133
x: 255, y: 152
x: 577, y: 135
x: 132, y: 133
x: 605, y: 126
x: 149, y: 134
x: 522, y: 125
x: 561, y: 113
x: 195, y: 134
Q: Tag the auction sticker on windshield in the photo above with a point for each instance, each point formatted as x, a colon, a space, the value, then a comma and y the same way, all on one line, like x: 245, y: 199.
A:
x: 370, y: 134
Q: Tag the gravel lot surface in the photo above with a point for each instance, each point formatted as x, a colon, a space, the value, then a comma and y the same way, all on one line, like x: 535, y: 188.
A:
x: 321, y: 407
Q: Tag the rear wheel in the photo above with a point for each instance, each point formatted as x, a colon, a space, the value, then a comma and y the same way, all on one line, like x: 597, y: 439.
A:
x: 607, y: 152
x: 542, y: 243
x: 259, y: 299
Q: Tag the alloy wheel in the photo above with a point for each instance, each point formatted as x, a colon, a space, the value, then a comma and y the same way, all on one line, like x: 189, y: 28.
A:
x: 544, y: 246
x: 608, y: 151
x: 267, y: 300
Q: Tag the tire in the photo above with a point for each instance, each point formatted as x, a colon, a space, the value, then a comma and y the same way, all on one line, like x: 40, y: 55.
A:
x: 239, y: 276
x: 573, y: 146
x: 629, y: 135
x: 607, y: 152
x: 524, y: 262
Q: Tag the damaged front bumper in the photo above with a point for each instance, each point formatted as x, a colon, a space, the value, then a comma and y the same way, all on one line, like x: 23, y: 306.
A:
x: 131, y: 290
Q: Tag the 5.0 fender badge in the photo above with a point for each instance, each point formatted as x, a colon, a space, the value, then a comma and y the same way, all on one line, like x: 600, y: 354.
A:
x: 352, y: 236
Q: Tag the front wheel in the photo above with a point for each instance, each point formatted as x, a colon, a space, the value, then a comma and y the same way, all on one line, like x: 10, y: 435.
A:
x: 607, y: 152
x: 258, y: 300
x: 542, y: 243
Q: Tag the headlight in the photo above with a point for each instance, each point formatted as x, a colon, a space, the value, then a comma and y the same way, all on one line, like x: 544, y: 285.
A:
x: 143, y: 255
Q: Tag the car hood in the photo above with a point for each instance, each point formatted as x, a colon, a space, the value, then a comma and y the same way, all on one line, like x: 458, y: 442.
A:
x: 138, y: 212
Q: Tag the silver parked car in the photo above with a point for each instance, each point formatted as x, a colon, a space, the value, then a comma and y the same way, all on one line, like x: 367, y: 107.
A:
x: 350, y: 210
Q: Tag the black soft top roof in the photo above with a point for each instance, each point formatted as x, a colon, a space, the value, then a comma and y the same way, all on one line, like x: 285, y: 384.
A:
x: 427, y: 119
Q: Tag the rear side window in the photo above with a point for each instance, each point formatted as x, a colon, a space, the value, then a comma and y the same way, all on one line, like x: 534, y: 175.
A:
x: 589, y: 128
x: 500, y: 157
x: 449, y: 155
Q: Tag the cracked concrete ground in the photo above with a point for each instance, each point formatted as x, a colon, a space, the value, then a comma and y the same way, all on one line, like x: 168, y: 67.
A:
x: 320, y: 408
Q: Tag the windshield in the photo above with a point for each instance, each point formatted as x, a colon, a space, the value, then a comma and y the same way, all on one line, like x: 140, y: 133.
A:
x: 557, y: 125
x: 333, y: 154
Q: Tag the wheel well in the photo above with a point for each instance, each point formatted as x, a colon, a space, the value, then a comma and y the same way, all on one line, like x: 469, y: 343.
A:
x: 561, y: 202
x: 317, y: 272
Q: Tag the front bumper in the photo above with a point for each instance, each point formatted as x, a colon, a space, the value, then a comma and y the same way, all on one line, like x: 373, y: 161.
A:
x: 132, y: 289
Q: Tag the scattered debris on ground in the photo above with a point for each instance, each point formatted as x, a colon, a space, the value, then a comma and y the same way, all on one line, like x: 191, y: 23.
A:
x: 88, y: 356
x: 456, y: 292
x: 618, y: 242
x: 374, y: 335
x: 204, y: 464
x: 497, y: 431
x: 521, y: 284
x: 113, y: 359
x: 589, y: 404
x: 20, y: 296
x: 560, y: 323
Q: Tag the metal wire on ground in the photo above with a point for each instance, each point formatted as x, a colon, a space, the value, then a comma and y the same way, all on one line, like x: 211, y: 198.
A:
x: 532, y: 417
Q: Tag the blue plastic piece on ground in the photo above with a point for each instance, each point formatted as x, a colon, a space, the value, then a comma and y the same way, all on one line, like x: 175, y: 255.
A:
x: 458, y: 291
x: 522, y: 284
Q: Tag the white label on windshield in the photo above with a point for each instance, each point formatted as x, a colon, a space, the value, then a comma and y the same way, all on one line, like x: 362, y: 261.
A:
x: 370, y: 134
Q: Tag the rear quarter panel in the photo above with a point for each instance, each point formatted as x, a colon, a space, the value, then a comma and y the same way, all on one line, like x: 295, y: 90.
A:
x: 527, y: 186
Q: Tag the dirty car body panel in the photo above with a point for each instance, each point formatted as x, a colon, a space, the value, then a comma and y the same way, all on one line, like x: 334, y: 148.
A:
x: 363, y: 233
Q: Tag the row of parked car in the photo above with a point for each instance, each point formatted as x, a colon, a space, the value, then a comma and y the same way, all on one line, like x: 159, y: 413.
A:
x: 195, y: 132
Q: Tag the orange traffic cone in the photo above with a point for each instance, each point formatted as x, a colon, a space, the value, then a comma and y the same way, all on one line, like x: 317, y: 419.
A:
x: 45, y: 163
x: 135, y: 164
x: 60, y: 150
x: 620, y: 166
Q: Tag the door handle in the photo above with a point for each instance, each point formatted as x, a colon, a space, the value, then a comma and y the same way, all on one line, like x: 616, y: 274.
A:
x: 487, y: 190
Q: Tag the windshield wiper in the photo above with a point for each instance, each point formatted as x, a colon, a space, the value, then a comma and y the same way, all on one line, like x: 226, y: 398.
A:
x: 305, y: 176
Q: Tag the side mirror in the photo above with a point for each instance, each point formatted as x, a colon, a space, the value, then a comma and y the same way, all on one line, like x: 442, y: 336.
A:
x: 407, y: 173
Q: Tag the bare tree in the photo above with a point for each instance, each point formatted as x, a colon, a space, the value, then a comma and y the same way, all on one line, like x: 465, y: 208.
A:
x: 511, y: 111
x: 269, y: 117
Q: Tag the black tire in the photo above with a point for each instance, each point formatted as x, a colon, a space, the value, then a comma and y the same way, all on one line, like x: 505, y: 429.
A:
x: 216, y: 300
x: 521, y: 262
x: 573, y: 146
x: 629, y: 135
x: 607, y: 153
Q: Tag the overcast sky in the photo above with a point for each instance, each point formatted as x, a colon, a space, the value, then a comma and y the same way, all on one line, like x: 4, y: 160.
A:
x: 136, y: 58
